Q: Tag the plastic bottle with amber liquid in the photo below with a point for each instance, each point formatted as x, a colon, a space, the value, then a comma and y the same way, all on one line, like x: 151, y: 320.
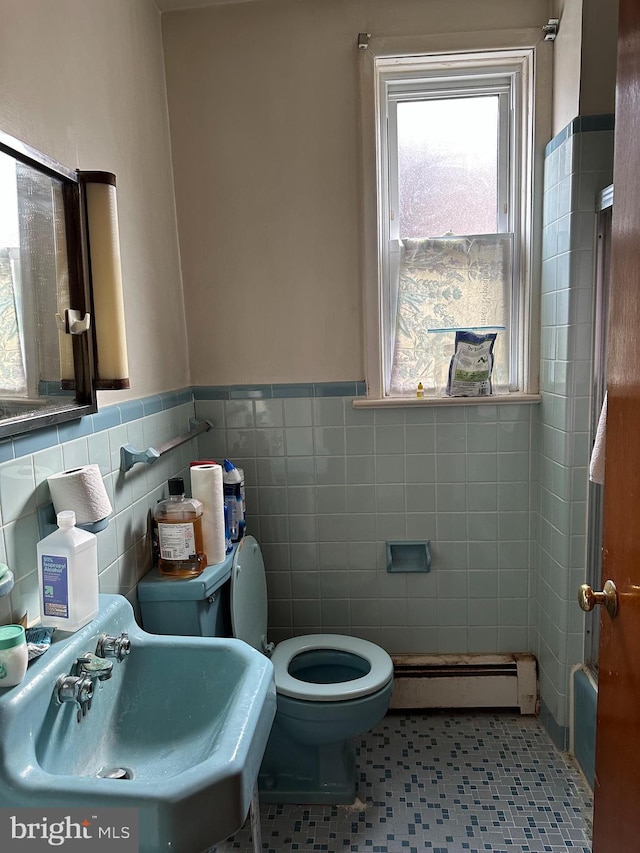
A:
x: 180, y: 538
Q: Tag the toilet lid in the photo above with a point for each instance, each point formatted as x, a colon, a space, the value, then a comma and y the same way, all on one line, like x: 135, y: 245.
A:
x: 379, y: 675
x: 249, y: 595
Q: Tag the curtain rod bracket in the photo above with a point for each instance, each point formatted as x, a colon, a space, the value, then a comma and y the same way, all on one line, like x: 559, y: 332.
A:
x: 550, y: 29
x: 363, y: 40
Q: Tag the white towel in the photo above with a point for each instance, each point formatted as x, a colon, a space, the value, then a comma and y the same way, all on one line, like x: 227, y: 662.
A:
x: 596, y: 466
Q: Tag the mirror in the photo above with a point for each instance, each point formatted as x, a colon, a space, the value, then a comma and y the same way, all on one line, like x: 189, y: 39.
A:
x: 46, y: 335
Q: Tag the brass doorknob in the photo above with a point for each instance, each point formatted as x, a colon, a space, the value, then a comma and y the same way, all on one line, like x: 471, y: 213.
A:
x: 587, y: 598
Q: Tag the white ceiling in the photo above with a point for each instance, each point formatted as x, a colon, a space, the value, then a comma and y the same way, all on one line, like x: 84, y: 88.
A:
x: 172, y: 5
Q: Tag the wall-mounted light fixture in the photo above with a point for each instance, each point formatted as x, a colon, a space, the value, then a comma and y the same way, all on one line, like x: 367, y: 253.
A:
x: 112, y: 368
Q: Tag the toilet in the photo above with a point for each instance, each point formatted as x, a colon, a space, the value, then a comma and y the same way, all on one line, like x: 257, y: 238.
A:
x: 330, y: 687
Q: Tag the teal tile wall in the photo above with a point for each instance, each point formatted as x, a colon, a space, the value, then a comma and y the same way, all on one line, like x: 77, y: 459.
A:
x: 327, y: 485
x: 123, y: 547
x: 577, y: 166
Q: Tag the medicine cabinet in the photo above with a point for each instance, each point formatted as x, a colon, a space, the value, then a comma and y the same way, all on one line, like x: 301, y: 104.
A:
x: 46, y: 324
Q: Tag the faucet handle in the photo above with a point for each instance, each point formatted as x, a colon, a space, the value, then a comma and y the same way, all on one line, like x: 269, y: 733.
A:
x: 75, y: 688
x: 85, y: 695
x: 114, y: 647
x: 94, y: 667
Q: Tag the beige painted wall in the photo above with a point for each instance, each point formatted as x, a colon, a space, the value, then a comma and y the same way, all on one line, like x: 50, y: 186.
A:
x: 584, y: 59
x: 566, y: 63
x: 263, y: 102
x: 599, y: 55
x: 83, y: 81
x: 264, y: 109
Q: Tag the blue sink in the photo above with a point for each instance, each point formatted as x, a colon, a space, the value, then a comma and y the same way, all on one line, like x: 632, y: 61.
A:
x: 183, y: 721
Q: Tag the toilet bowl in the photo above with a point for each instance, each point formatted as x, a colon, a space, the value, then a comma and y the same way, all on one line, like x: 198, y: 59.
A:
x: 330, y: 687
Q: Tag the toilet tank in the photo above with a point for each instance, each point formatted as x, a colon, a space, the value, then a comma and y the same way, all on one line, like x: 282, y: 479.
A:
x: 194, y: 607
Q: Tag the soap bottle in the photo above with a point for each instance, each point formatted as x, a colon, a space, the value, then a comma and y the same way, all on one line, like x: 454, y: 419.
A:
x: 180, y: 535
x: 68, y: 575
x: 233, y: 487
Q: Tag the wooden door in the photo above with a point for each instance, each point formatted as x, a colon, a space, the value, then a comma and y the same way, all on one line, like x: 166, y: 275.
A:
x: 617, y: 783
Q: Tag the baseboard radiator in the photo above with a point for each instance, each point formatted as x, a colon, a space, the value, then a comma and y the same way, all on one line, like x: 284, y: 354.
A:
x: 465, y: 681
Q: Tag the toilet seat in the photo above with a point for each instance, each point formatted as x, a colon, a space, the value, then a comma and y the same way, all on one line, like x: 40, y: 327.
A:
x: 249, y: 623
x: 379, y: 675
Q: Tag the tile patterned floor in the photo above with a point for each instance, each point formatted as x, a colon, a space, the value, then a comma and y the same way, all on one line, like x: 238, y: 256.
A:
x: 443, y: 783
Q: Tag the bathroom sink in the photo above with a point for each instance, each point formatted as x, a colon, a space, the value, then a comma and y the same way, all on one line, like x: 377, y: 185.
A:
x: 177, y: 731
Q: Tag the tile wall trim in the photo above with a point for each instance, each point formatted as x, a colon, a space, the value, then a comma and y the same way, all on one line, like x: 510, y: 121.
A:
x: 558, y: 734
x: 135, y: 409
x: 104, y: 419
x: 580, y: 124
x: 279, y: 391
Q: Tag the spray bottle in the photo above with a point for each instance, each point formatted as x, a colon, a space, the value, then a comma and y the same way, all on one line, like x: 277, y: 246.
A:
x: 233, y: 488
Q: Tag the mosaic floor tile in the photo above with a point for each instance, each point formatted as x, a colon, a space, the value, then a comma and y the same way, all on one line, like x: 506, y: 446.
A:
x: 443, y: 783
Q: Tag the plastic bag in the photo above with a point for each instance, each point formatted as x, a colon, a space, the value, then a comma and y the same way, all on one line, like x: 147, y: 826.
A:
x: 38, y: 641
x: 471, y: 365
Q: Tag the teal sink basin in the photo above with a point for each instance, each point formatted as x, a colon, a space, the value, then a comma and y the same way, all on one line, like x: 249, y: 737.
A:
x: 177, y: 732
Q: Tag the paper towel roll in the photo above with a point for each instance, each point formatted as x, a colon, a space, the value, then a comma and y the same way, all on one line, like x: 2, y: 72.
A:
x: 206, y: 486
x: 82, y: 490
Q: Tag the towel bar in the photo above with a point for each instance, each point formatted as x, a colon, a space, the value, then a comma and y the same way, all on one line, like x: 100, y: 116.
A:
x: 129, y: 456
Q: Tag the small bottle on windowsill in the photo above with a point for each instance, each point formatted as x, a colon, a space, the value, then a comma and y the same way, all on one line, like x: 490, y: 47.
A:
x: 420, y: 391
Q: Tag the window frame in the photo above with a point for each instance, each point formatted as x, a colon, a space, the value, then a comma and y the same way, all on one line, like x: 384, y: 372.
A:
x: 528, y: 61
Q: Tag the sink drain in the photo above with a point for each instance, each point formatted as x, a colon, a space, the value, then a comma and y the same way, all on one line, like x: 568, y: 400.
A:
x: 115, y: 773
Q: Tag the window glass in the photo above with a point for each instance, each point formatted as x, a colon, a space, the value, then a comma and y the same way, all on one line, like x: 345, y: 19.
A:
x: 12, y: 371
x: 447, y: 175
x: 447, y: 284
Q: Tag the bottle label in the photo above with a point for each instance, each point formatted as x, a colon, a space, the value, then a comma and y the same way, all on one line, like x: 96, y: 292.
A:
x: 234, y: 516
x: 55, y: 587
x: 177, y: 541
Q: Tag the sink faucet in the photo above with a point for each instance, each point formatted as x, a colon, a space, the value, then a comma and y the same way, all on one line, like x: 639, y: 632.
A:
x: 94, y: 667
x: 113, y: 647
x: 75, y: 688
x: 79, y: 686
x: 88, y: 669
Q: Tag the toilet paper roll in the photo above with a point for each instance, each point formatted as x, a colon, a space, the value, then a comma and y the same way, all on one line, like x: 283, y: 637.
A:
x: 206, y: 486
x: 82, y: 490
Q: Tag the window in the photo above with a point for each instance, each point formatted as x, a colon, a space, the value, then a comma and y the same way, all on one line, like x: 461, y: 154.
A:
x: 12, y: 372
x: 453, y: 189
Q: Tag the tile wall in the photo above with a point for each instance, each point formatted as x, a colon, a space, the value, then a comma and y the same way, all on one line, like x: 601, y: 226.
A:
x: 578, y: 165
x: 328, y: 485
x: 123, y: 547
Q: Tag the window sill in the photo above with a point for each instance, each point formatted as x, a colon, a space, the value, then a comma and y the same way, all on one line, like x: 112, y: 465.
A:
x: 390, y: 402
